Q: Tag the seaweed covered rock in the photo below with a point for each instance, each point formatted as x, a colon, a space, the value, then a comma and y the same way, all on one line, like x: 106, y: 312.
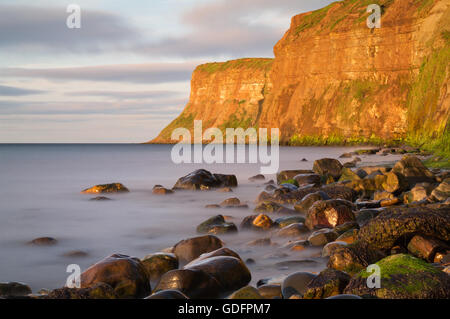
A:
x: 97, y: 291
x: 329, y: 282
x: 216, y: 225
x: 403, y: 277
x: 106, y: 188
x: 305, y: 204
x: 400, y: 224
x: 329, y: 214
x: 290, y: 174
x: 14, y: 289
x: 328, y: 166
x: 354, y: 257
x: 126, y: 275
x: 308, y: 179
x: 202, y: 180
x: 158, y: 264
x: 189, y: 249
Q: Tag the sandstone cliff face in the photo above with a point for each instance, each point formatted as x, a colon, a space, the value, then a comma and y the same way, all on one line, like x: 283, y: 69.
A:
x: 334, y: 78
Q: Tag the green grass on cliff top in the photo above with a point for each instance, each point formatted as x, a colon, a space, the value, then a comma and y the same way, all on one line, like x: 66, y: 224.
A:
x: 264, y: 64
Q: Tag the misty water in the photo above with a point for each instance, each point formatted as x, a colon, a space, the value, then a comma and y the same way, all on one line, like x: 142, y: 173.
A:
x: 40, y: 196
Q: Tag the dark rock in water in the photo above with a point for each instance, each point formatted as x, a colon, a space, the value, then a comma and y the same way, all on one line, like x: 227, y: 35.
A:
x: 328, y: 166
x: 126, y: 275
x: 307, y: 179
x: 100, y: 199
x: 225, y: 190
x: 14, y: 289
x: 260, y: 242
x: 395, y: 224
x: 158, y: 264
x: 76, y: 254
x: 297, y: 245
x: 270, y: 291
x: 330, y: 247
x: 426, y: 247
x: 290, y: 186
x: 290, y: 174
x: 189, y: 249
x: 43, y: 241
x: 346, y: 155
x: 322, y: 237
x: 413, y: 169
x: 344, y: 296
x: 368, y: 204
x: 286, y: 221
x: 328, y: 283
x: 270, y: 188
x: 230, y: 272
x: 258, y: 177
x: 403, y: 277
x: 250, y: 261
x: 202, y: 180
x: 106, y: 188
x: 350, y: 164
x: 269, y: 207
x: 247, y: 292
x: 305, y: 204
x: 162, y: 191
x: 212, y: 206
x: 168, y: 294
x: 296, y: 284
x: 195, y: 284
x: 224, y: 252
x: 231, y: 202
x: 304, y: 160
x: 293, y: 230
x: 329, y: 214
x: 262, y: 222
x: 216, y: 225
x: 354, y: 257
x: 97, y: 291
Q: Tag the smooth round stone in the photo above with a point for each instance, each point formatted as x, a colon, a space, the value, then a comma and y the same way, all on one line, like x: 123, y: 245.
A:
x: 344, y: 297
x: 14, y: 289
x: 296, y: 284
x: 247, y: 292
x: 158, y: 264
x: 43, y: 241
x: 168, y: 294
x: 322, y: 237
x: 330, y: 247
x: 270, y: 291
x: 293, y: 230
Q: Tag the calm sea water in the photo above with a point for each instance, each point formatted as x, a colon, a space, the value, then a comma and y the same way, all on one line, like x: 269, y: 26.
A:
x: 40, y: 196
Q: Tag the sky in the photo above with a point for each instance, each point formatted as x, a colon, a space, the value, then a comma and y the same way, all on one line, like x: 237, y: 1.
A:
x: 125, y: 74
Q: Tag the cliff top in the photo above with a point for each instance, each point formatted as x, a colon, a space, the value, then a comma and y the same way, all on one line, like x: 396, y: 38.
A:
x: 249, y: 63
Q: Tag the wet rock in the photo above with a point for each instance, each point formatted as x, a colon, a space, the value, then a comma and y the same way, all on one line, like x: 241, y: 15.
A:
x: 329, y: 214
x: 426, y: 247
x: 293, y: 230
x: 195, y: 284
x: 341, y: 229
x: 287, y: 175
x: 298, y: 245
x: 225, y: 190
x: 250, y: 261
x: 162, y: 191
x: 260, y: 242
x: 365, y: 215
x: 367, y: 204
x: 296, y: 284
x: 100, y: 199
x: 263, y: 221
x: 395, y: 224
x: 394, y: 182
x: 348, y: 175
x: 288, y: 186
x: 216, y: 225
x: 106, y: 188
x: 417, y: 193
x: 189, y: 249
x: 349, y: 236
x: 308, y: 179
x: 345, y: 296
x: 330, y: 247
x: 286, y: 221
x: 230, y: 272
x: 168, y: 294
x: 403, y: 277
x: 354, y: 257
x: 380, y: 195
x: 158, y: 264
x: 442, y: 192
x: 212, y: 206
x: 268, y: 207
x: 231, y: 202
x: 76, y: 254
x: 202, y: 180
x: 216, y: 253
x: 328, y: 283
x: 14, y: 289
x: 97, y: 291
x: 322, y: 237
x: 351, y: 164
x: 328, y: 166
x: 43, y: 241
x: 270, y: 188
x: 346, y: 155
x: 126, y: 275
x: 413, y: 169
x: 247, y: 292
x: 258, y: 177
x: 305, y: 204
x: 270, y: 291
x: 389, y: 202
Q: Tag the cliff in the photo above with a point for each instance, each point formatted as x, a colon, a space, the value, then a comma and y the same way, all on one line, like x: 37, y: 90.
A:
x: 334, y: 80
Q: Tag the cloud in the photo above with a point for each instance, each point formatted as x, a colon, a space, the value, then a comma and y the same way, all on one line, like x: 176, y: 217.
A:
x: 45, y: 28
x: 134, y: 73
x: 128, y: 94
x: 12, y: 91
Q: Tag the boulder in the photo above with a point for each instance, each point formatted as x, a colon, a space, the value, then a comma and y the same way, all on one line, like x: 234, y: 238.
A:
x: 286, y: 221
x: 189, y: 249
x: 413, y: 170
x: 202, y: 180
x: 296, y: 284
x: 344, y: 296
x: 322, y: 237
x: 168, y: 294
x: 270, y: 291
x: 126, y: 275
x: 349, y: 175
x: 158, y: 264
x: 216, y: 225
x: 216, y: 253
x: 293, y: 230
x: 394, y: 182
x: 247, y: 292
x: 14, y: 289
x: 43, y: 241
x: 349, y: 236
x: 426, y: 247
x: 442, y: 192
x: 328, y: 283
x: 329, y: 214
x: 328, y: 166
x: 380, y: 195
x: 162, y: 191
x: 262, y: 221
x: 308, y: 179
x: 231, y: 202
x: 195, y: 284
x: 290, y: 174
x: 106, y: 188
x: 258, y: 177
x: 97, y: 291
x: 365, y: 215
x: 230, y: 272
x: 100, y: 199
x: 395, y: 224
x: 341, y: 229
x: 330, y: 247
x: 305, y: 204
x: 403, y: 277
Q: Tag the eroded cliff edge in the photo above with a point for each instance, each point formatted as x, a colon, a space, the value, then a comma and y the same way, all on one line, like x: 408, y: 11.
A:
x: 334, y: 80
